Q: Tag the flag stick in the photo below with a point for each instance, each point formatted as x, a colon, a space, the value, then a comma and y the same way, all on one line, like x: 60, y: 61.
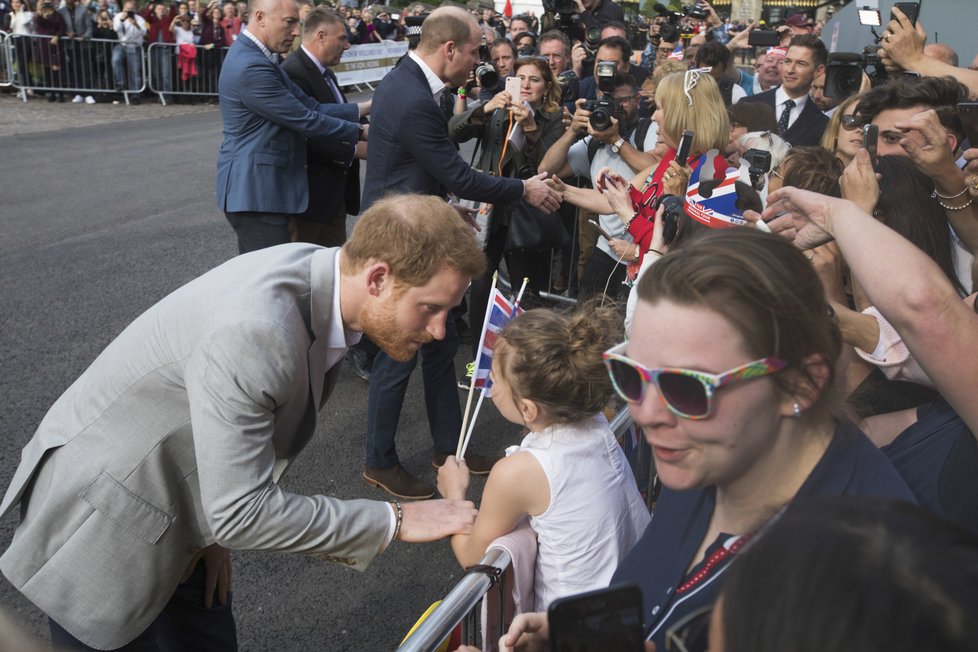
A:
x: 478, y: 354
x: 519, y: 295
x: 475, y: 415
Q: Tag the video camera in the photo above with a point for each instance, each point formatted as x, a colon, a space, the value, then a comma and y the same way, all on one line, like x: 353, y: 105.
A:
x: 605, y: 108
x: 671, y: 31
x: 844, y: 72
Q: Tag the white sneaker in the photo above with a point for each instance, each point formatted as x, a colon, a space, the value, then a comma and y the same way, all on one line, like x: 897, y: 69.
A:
x: 77, y: 99
x: 89, y: 99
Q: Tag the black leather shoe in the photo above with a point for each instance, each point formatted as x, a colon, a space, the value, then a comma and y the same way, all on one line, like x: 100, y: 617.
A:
x: 360, y: 362
x: 478, y: 464
x: 398, y: 482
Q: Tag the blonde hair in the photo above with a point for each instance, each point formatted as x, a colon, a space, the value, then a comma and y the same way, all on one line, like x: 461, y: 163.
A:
x: 417, y: 236
x: 831, y: 135
x: 706, y: 117
x: 554, y: 359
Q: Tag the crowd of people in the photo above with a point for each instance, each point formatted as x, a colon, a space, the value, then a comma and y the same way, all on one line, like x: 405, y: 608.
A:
x: 783, y: 303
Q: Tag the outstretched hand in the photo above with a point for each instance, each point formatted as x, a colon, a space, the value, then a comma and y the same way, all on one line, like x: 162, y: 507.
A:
x: 430, y: 520
x: 537, y: 193
x: 860, y: 183
x: 802, y: 216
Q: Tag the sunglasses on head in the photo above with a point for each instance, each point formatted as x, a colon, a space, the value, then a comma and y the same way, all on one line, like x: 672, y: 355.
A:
x: 686, y: 392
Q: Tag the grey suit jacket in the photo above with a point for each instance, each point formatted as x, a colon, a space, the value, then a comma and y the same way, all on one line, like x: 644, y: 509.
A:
x: 174, y: 438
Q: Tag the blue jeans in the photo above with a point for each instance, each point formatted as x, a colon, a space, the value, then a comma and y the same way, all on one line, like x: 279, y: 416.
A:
x: 184, y: 624
x: 128, y: 57
x: 161, y: 74
x: 388, y: 384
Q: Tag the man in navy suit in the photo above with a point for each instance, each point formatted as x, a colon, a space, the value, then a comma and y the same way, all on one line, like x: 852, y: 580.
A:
x: 411, y: 152
x: 261, y: 166
x: 333, y: 166
x: 800, y: 121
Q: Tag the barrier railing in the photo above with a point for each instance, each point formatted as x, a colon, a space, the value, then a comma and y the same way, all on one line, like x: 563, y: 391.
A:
x: 183, y: 69
x: 6, y: 64
x: 461, y: 604
x: 80, y: 66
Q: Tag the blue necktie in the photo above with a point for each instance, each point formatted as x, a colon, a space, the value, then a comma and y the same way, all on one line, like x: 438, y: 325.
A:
x: 785, y: 115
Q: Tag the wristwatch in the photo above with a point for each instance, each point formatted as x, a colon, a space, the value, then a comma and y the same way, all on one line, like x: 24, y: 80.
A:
x: 617, y: 144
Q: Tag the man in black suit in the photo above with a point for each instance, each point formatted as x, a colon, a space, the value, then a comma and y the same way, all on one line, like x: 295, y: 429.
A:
x: 333, y: 167
x: 411, y: 152
x: 799, y: 120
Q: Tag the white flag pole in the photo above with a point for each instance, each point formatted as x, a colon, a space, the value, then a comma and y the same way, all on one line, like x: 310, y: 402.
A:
x: 459, y: 451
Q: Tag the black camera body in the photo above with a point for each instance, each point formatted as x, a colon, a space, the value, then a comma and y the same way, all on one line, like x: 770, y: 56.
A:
x: 484, y: 72
x: 592, y: 36
x: 844, y: 72
x: 602, y: 111
x: 672, y: 209
x: 758, y: 164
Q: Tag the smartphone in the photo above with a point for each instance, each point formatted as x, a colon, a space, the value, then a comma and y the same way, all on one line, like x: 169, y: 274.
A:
x: 910, y: 9
x: 600, y: 229
x: 763, y: 38
x: 606, y: 619
x: 968, y: 112
x: 871, y: 134
x: 685, y: 144
x: 513, y: 88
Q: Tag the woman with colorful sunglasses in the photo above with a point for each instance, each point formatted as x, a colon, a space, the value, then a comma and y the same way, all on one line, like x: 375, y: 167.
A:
x: 728, y: 374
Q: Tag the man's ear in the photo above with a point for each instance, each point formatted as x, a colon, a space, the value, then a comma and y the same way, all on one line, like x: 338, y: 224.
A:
x: 449, y: 50
x: 378, y: 278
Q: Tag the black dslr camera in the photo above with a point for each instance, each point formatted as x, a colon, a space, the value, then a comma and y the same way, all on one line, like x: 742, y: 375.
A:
x: 604, y: 109
x: 484, y: 71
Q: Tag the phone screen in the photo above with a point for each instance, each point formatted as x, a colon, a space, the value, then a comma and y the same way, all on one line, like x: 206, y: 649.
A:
x: 607, y: 619
x: 513, y: 88
x: 600, y: 229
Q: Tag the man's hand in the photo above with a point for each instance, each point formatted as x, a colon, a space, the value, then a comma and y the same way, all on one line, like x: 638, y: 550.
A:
x: 537, y: 193
x: 580, y: 121
x: 860, y: 184
x: 217, y: 573
x: 453, y: 478
x: 361, y: 152
x: 578, y: 55
x: 903, y: 44
x: 928, y: 143
x: 364, y: 107
x: 366, y: 131
x: 608, y: 136
x: 430, y: 520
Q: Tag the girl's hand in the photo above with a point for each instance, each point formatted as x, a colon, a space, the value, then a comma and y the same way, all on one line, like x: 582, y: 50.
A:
x: 453, y: 478
x: 603, y: 175
x: 500, y: 100
x: 557, y: 185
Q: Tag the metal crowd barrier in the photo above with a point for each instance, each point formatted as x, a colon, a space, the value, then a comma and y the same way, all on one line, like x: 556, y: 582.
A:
x: 461, y: 604
x: 74, y: 66
x: 6, y: 64
x: 184, y: 70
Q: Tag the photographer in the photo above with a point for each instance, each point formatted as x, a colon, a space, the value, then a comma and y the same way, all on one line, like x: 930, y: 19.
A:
x: 614, y: 28
x: 598, y: 13
x: 606, y: 148
x: 614, y: 49
x: 127, y: 55
x: 537, y: 112
x: 502, y: 55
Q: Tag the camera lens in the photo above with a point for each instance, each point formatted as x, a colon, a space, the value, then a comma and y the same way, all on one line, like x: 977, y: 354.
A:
x: 600, y: 119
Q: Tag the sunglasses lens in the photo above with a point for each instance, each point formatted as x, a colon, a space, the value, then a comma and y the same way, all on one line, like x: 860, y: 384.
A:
x: 627, y: 378
x: 683, y: 393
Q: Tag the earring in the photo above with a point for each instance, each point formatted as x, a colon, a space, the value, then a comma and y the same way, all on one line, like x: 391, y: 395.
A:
x: 796, y: 409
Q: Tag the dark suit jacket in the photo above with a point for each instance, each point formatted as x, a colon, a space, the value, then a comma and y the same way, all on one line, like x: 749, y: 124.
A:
x: 267, y: 118
x: 807, y: 128
x: 334, y: 186
x: 410, y: 150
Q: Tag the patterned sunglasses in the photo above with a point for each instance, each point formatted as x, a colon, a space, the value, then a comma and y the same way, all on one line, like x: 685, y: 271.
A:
x: 686, y: 392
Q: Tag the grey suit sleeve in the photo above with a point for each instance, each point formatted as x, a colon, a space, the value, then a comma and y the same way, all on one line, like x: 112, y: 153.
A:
x: 236, y: 378
x: 295, y: 110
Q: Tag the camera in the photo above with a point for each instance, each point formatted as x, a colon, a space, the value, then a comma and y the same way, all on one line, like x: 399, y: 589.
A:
x: 602, y: 111
x: 758, y: 164
x: 592, y: 36
x: 844, y: 72
x: 570, y: 87
x: 484, y: 71
x: 671, y: 32
x: 606, y: 72
x: 672, y: 210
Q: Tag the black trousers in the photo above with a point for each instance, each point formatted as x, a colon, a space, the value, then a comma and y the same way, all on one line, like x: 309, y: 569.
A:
x: 259, y: 230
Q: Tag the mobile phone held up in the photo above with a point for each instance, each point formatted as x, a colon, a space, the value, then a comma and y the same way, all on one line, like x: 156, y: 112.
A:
x: 685, y: 145
x: 513, y: 88
x: 910, y: 9
x: 606, y: 619
x: 871, y: 134
x: 763, y: 38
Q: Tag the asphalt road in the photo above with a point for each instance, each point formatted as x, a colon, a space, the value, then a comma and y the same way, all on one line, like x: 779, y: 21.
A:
x: 97, y: 223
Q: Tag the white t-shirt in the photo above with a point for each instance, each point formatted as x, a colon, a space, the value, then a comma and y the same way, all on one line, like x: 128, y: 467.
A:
x: 604, y: 157
x: 595, y: 515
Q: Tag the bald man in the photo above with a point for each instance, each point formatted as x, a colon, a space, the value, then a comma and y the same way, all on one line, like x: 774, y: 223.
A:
x: 942, y: 52
x: 261, y: 166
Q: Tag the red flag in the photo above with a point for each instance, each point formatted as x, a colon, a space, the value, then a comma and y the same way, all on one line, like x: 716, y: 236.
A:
x: 508, y: 9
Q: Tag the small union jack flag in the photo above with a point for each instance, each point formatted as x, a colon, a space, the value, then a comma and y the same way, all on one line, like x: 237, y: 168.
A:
x: 499, y: 314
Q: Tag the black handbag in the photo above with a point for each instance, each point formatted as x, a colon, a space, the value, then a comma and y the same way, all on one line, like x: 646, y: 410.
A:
x: 530, y: 229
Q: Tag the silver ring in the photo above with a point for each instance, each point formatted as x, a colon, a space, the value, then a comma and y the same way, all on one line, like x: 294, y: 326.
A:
x: 812, y: 257
x: 886, y: 37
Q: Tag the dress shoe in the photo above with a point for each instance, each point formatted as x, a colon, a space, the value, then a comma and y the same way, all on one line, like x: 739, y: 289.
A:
x: 398, y: 482
x: 478, y: 464
x: 360, y: 362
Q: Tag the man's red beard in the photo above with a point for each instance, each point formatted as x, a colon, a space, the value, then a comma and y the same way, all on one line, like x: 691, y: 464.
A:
x: 380, y: 325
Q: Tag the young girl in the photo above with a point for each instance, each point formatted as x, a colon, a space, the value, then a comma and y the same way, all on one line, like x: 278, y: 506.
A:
x: 569, y: 474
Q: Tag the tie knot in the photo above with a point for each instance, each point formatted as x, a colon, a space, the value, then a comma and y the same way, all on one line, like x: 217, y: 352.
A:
x: 789, y: 104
